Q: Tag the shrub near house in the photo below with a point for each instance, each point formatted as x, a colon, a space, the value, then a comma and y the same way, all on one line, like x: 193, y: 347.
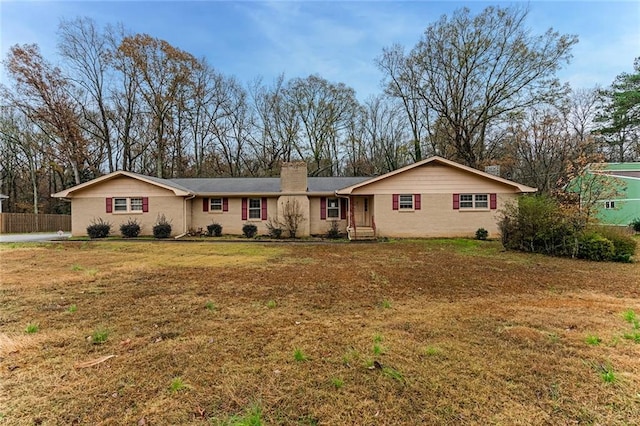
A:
x: 541, y: 224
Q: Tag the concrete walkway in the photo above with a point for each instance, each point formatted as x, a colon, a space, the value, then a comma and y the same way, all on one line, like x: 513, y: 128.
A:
x: 34, y: 237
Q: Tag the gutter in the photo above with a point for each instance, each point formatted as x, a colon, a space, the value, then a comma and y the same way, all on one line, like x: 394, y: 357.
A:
x: 184, y: 215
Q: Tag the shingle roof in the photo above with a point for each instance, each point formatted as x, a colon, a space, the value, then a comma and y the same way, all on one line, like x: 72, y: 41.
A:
x: 167, y: 182
x: 206, y: 186
x: 229, y: 185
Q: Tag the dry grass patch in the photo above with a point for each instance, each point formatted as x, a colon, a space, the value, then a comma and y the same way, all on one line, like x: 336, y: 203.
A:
x: 298, y: 334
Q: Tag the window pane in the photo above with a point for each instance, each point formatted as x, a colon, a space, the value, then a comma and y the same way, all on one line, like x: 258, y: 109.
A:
x: 466, y: 201
x: 406, y: 201
x: 254, y: 208
x: 333, y: 210
x: 120, y: 204
x: 136, y: 204
x: 216, y: 204
x: 482, y: 201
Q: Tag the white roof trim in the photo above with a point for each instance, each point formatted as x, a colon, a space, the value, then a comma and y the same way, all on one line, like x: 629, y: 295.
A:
x: 68, y: 193
x: 522, y: 188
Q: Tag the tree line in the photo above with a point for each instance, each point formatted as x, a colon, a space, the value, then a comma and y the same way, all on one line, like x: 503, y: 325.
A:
x: 478, y: 89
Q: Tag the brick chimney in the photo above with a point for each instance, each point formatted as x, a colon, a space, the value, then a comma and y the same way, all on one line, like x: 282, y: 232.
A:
x: 293, y: 177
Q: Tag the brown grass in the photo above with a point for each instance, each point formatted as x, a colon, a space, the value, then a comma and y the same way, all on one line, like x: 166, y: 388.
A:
x: 469, y: 334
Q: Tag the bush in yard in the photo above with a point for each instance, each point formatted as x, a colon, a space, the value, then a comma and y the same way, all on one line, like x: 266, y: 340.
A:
x: 274, y: 228
x: 130, y: 229
x: 624, y: 246
x: 540, y: 224
x: 593, y: 246
x: 98, y: 228
x: 162, y: 228
x: 482, y: 234
x: 215, y: 229
x: 249, y: 230
x: 334, y: 230
x: 635, y: 224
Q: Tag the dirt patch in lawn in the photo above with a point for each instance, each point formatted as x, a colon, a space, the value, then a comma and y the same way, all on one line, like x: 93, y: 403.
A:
x: 409, y: 332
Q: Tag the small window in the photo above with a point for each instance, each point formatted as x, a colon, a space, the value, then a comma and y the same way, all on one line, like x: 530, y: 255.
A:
x: 120, y: 205
x: 474, y: 201
x: 406, y: 201
x: 136, y: 204
x: 255, y: 211
x: 466, y: 201
x: 216, y: 205
x: 333, y: 208
x: 481, y: 201
x: 609, y: 205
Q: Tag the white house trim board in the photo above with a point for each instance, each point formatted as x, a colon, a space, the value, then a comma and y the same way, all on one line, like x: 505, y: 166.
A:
x: 436, y: 159
x: 68, y: 193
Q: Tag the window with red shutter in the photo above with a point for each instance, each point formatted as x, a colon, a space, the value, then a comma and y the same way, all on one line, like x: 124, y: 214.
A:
x: 493, y: 201
x: 205, y: 204
x: 109, y: 202
x: 456, y: 201
x: 395, y: 201
x: 344, y: 203
x: 264, y: 208
x: 417, y: 201
x: 145, y: 204
x: 323, y: 208
x: 225, y: 204
x: 244, y: 209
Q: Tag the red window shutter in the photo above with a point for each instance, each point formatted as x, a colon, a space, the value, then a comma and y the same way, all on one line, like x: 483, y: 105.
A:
x: 416, y: 201
x: 205, y: 204
x: 493, y: 201
x: 456, y: 201
x: 244, y: 209
x: 395, y: 201
x: 323, y: 208
x: 109, y: 205
x: 343, y: 208
x: 145, y: 204
x: 264, y: 208
x: 225, y: 204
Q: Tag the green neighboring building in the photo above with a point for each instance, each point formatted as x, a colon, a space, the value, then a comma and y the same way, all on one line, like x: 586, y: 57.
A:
x: 624, y: 208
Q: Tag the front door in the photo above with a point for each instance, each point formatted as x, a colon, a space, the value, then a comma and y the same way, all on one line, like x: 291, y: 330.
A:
x: 362, y: 211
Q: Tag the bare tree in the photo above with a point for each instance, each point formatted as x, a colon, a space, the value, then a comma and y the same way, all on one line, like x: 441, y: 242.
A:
x: 162, y: 71
x: 86, y: 51
x: 473, y: 70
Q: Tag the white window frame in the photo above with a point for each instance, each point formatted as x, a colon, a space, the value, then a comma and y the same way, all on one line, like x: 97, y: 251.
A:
x: 406, y: 204
x: 127, y: 205
x: 333, y: 211
x: 136, y: 207
x: 474, y: 201
x: 251, y: 210
x: 120, y: 205
x: 215, y: 204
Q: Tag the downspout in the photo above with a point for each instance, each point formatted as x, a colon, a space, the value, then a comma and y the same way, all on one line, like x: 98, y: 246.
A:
x: 348, y: 198
x: 184, y: 216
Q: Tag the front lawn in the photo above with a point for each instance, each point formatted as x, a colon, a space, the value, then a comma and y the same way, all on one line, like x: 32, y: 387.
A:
x: 400, y: 332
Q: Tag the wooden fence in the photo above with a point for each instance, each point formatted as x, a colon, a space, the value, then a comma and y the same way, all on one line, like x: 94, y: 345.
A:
x: 28, y: 222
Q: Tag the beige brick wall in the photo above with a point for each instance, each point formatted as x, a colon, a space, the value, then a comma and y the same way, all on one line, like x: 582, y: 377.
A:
x: 436, y: 183
x: 90, y: 204
x: 317, y: 225
x: 436, y: 218
x: 293, y: 177
x: 231, y: 220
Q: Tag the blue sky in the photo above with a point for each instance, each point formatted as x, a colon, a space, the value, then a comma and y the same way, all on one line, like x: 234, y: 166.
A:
x: 335, y: 39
